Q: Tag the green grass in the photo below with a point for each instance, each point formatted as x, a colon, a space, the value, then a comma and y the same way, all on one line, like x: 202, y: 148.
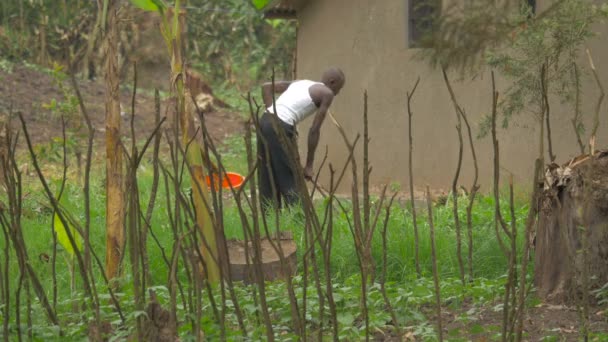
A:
x: 408, y: 295
x: 488, y: 261
x: 234, y: 154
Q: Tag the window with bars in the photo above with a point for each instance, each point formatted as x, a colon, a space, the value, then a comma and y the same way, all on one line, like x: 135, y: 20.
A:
x: 532, y: 4
x: 422, y: 15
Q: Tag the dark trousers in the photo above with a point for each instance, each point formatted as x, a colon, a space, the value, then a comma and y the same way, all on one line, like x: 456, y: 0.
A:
x: 275, y: 175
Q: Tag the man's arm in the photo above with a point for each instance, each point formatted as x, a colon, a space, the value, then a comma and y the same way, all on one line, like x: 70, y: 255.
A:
x: 279, y: 87
x: 325, y: 98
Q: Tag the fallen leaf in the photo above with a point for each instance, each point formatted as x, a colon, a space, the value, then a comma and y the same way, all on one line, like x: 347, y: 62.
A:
x: 556, y: 307
x: 409, y: 336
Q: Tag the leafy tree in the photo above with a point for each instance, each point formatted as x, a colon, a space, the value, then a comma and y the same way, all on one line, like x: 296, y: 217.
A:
x: 45, y: 29
x: 231, y: 42
x: 171, y: 30
x: 509, y: 37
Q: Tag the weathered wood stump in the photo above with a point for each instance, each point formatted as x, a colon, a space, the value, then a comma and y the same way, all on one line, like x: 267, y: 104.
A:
x: 574, y: 202
x: 241, y: 259
x: 158, y: 326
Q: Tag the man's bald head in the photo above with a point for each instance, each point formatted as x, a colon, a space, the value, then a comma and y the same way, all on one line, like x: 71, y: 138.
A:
x: 334, y: 79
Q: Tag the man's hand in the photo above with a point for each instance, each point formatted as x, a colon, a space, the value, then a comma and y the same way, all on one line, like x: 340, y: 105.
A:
x: 308, y: 175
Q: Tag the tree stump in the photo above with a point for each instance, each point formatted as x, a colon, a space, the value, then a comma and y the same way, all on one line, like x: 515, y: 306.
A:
x: 158, y: 326
x: 574, y: 202
x: 241, y: 263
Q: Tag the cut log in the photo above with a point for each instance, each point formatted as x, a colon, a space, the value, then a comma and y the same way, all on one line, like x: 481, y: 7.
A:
x: 242, y: 269
x: 574, y: 202
x: 158, y: 325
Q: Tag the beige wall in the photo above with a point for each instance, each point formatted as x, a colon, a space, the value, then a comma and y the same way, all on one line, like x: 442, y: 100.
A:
x: 368, y: 40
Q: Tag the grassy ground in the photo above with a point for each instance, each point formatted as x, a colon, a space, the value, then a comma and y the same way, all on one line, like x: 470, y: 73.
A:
x: 407, y: 294
x: 412, y: 298
x: 487, y: 262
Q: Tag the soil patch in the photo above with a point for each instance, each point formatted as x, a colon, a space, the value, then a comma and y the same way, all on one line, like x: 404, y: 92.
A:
x: 544, y: 320
x: 26, y: 90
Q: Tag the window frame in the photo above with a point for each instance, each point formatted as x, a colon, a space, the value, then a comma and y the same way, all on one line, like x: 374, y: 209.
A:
x: 415, y: 16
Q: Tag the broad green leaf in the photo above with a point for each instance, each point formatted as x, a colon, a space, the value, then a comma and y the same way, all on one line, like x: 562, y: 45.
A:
x: 62, y: 235
x: 274, y: 22
x: 146, y: 5
x: 160, y: 4
x: 346, y: 318
x: 259, y: 4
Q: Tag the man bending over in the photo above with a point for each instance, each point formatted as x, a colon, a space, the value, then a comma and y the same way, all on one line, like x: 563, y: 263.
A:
x: 298, y: 100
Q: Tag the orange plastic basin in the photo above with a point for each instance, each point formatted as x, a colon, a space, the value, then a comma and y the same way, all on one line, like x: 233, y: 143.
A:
x: 230, y: 179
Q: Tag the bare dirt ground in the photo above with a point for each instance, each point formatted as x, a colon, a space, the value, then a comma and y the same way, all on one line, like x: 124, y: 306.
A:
x: 25, y: 90
x: 540, y: 322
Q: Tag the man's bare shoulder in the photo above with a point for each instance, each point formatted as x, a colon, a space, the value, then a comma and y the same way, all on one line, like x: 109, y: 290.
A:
x: 319, y: 92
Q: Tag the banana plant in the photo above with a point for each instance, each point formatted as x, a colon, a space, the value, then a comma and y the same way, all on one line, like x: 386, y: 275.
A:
x: 61, y: 235
x: 172, y: 34
x: 260, y: 4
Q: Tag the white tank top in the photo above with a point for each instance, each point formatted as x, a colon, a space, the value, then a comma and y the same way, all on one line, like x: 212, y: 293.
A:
x: 295, y: 104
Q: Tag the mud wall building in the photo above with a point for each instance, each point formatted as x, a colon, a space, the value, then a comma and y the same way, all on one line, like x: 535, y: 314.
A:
x: 371, y: 40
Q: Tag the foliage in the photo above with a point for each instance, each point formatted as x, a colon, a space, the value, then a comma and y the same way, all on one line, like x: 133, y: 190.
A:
x: 554, y: 41
x: 194, y: 154
x: 63, y: 193
x: 410, y: 300
x: 601, y: 295
x: 68, y: 106
x: 230, y: 42
x: 64, y: 24
x: 409, y: 296
x: 238, y: 46
x: 507, y: 36
x: 62, y: 235
x: 6, y: 65
x: 52, y: 151
x: 148, y: 5
x: 234, y: 154
x: 259, y: 4
x: 236, y: 43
